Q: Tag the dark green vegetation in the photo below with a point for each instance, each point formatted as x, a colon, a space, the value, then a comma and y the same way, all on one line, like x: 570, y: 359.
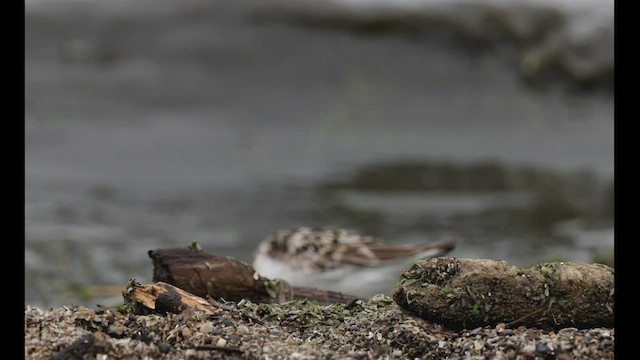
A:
x: 526, y: 214
x: 415, y: 175
x: 533, y: 37
x: 552, y: 196
x: 606, y: 257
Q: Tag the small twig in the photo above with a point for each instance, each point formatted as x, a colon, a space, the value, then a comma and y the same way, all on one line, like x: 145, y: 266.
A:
x: 232, y: 309
x: 216, y: 303
x: 218, y: 348
x: 254, y: 319
x: 523, y: 318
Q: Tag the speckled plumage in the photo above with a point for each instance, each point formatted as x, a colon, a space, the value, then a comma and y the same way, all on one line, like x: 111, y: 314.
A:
x: 338, y: 259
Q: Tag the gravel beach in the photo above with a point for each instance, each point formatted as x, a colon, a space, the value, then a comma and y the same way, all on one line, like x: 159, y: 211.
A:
x: 375, y: 329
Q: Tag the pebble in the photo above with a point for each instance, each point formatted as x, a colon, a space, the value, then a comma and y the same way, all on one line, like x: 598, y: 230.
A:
x: 528, y: 349
x: 567, y: 331
x: 478, y: 345
x: 206, y: 328
x: 164, y: 347
x: 190, y: 353
x: 221, y: 342
x: 114, y: 331
x: 542, y: 348
x: 243, y: 329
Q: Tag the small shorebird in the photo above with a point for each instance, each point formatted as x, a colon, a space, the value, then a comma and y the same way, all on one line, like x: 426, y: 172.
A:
x: 339, y: 260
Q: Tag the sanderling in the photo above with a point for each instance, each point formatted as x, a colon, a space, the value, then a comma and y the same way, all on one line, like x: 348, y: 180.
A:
x: 339, y: 259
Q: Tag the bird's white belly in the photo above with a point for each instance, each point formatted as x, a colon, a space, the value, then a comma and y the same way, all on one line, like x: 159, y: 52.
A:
x: 360, y: 281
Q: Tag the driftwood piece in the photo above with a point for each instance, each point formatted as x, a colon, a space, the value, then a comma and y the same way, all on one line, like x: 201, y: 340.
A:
x: 220, y: 277
x: 323, y: 297
x: 163, y: 298
x: 466, y: 293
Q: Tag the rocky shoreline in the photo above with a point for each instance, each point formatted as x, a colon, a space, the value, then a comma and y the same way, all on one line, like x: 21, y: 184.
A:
x: 375, y: 329
x: 443, y: 308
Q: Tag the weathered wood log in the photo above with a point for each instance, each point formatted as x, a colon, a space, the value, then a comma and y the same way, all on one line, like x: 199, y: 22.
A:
x: 220, y: 277
x: 323, y: 297
x: 466, y: 293
x: 163, y: 298
x: 201, y: 273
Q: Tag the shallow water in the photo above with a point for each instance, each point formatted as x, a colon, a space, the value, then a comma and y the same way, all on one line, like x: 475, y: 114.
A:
x: 149, y: 128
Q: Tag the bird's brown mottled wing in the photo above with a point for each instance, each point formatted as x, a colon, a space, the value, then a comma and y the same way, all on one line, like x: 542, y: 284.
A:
x: 370, y: 253
x: 387, y: 252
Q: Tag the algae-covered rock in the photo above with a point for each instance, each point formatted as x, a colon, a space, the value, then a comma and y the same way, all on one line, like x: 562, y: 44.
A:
x: 465, y: 293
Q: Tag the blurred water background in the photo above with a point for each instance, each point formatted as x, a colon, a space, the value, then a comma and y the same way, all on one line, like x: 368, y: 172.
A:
x: 154, y: 124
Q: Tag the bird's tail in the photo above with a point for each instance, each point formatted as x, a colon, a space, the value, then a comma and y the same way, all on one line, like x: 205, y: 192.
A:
x: 387, y: 252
